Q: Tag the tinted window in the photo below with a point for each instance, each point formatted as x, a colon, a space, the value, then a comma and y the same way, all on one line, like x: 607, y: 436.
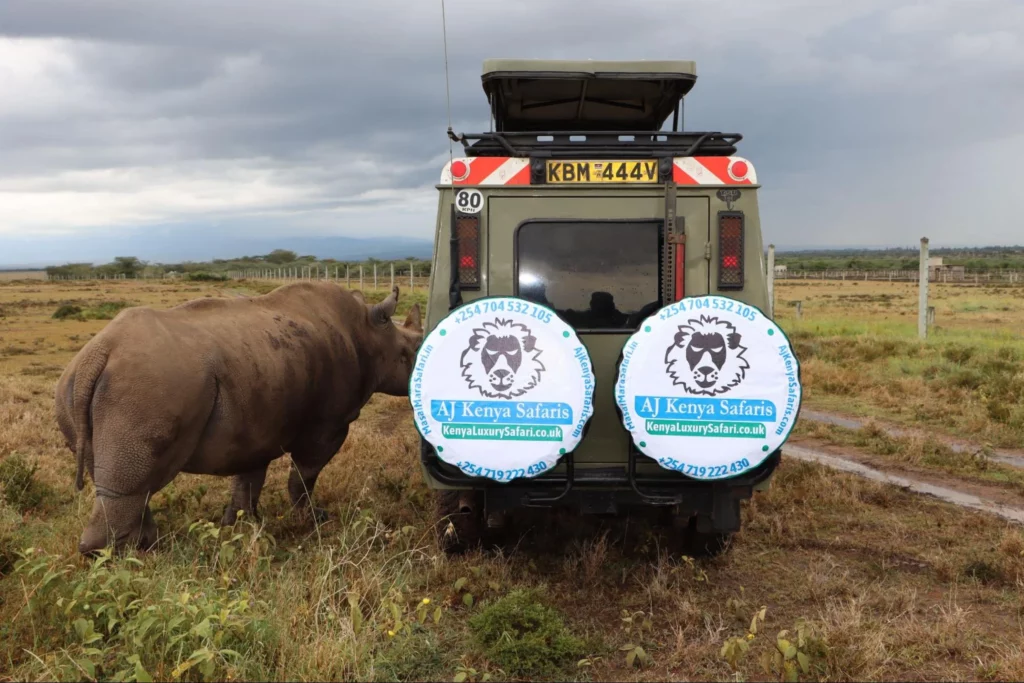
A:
x: 597, y: 275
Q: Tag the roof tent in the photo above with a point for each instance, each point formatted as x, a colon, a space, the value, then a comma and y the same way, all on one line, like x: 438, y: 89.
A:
x: 529, y: 95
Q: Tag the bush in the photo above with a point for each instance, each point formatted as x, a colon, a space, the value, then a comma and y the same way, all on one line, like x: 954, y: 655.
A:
x: 18, y: 483
x: 524, y: 637
x: 67, y: 311
x: 207, y: 277
x: 106, y: 310
x: 113, y: 623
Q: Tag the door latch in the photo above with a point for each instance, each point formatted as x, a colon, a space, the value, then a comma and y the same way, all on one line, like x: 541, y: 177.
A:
x: 707, y: 251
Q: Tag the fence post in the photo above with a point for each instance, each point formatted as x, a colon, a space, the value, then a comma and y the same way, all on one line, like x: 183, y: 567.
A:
x: 375, y: 277
x: 410, y: 275
x: 799, y: 309
x: 922, y: 302
x: 360, y: 276
x: 348, y: 278
x: 931, y: 316
x: 392, y: 276
x: 771, y: 281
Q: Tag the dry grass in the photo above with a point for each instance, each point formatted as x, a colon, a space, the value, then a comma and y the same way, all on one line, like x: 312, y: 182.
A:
x: 892, y: 586
x: 859, y: 354
x: 17, y: 275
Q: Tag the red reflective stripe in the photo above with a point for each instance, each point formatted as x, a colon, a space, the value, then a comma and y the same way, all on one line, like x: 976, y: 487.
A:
x: 480, y: 168
x: 730, y: 261
x: 522, y: 177
x: 681, y: 177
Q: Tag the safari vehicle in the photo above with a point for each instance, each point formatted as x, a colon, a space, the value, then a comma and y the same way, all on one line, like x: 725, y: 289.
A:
x: 579, y: 200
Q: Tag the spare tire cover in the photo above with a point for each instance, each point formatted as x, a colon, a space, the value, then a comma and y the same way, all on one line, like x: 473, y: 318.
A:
x: 502, y: 388
x: 709, y: 387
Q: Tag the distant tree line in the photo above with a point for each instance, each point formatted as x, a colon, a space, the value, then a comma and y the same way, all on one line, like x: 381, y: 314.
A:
x: 981, y: 259
x: 131, y: 267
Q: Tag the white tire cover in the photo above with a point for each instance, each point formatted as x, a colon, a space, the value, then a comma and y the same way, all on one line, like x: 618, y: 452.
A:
x: 502, y: 388
x: 709, y: 387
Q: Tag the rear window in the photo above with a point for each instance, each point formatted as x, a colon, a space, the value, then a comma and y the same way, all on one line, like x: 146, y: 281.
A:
x: 599, y: 276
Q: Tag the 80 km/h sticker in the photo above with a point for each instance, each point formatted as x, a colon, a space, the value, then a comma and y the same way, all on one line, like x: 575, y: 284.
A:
x: 502, y: 388
x: 708, y: 386
x: 469, y: 201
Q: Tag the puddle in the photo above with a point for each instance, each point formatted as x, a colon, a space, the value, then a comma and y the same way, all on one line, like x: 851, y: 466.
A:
x: 848, y: 423
x: 948, y: 495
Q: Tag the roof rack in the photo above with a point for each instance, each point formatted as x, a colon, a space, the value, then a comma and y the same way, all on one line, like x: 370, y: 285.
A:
x: 607, y: 144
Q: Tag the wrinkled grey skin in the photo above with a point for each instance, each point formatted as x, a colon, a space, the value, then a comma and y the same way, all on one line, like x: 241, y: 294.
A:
x: 224, y: 387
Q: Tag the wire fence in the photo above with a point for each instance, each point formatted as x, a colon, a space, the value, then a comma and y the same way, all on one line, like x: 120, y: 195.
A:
x: 937, y: 275
x: 353, y: 277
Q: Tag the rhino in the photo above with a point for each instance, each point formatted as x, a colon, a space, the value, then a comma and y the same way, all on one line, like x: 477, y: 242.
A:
x: 224, y: 387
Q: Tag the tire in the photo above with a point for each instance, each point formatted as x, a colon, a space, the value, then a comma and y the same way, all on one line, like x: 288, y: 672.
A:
x: 459, y: 531
x: 705, y: 544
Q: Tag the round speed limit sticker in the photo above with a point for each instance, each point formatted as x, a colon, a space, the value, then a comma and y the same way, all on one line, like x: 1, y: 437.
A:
x: 469, y: 201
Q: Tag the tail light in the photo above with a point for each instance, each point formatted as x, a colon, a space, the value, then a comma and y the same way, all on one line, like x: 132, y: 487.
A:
x: 467, y: 231
x: 730, y: 250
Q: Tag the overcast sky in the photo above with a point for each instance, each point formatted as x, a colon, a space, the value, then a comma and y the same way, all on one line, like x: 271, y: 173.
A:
x: 869, y: 121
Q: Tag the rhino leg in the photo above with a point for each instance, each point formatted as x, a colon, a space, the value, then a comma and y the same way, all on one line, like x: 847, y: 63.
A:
x: 309, y: 460
x: 123, y: 520
x: 246, y: 496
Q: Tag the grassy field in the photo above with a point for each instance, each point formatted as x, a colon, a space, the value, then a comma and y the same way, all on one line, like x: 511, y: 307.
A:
x: 859, y: 354
x: 867, y: 581
x: 15, y: 275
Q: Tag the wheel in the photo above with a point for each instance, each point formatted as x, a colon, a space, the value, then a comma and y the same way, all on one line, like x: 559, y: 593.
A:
x: 460, y: 520
x: 704, y: 543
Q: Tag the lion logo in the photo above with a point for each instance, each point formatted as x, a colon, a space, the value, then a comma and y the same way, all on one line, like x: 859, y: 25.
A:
x: 501, y: 360
x: 706, y: 357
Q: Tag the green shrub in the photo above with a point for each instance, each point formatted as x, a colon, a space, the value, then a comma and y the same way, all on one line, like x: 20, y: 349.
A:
x: 67, y: 311
x: 525, y: 637
x: 115, y: 623
x: 106, y: 310
x: 18, y: 484
x: 958, y: 353
x: 207, y: 277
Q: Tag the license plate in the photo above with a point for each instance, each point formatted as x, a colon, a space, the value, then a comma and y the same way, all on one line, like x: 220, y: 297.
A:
x: 574, y: 172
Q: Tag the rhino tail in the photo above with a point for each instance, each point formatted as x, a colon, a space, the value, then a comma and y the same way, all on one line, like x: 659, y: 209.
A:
x: 89, y: 371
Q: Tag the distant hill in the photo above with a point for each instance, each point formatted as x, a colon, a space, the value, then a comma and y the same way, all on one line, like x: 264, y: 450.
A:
x: 197, y: 246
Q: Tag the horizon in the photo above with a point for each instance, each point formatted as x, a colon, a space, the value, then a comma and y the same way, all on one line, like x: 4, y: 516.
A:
x: 779, y: 249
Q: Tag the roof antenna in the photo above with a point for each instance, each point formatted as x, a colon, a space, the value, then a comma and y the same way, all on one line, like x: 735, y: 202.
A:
x: 447, y: 93
x: 454, y: 276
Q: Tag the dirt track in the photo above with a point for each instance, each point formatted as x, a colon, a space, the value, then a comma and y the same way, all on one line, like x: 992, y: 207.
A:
x: 991, y: 499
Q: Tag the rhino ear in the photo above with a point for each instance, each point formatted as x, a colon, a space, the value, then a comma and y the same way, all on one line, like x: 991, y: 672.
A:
x: 414, y: 320
x: 359, y: 296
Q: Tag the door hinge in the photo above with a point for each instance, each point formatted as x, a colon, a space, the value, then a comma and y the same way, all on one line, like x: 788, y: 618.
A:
x: 707, y: 251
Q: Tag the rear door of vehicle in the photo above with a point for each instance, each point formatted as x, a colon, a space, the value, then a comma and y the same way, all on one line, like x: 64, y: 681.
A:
x: 595, y: 257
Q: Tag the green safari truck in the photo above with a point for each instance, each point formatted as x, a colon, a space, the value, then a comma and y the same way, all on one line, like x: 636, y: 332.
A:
x: 585, y: 199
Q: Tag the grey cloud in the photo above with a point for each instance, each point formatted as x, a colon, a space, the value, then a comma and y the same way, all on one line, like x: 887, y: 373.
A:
x: 337, y: 99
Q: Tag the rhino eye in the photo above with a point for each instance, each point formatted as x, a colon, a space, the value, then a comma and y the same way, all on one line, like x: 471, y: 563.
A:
x: 489, y: 354
x: 717, y: 349
x: 513, y: 352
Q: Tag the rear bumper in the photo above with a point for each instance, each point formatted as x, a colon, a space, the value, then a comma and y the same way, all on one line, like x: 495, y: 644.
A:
x: 603, y: 490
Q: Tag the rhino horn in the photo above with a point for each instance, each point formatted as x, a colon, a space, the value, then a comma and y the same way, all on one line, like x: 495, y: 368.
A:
x: 381, y: 313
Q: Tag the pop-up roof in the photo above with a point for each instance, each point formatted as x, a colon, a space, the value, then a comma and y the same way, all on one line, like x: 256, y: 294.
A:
x: 560, y: 95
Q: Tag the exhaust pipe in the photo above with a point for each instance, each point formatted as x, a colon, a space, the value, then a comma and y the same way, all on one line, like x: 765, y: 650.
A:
x: 466, y: 503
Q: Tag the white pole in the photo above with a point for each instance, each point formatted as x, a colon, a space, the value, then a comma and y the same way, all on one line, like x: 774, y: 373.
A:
x: 922, y: 303
x: 771, y: 281
x: 375, y: 277
x: 410, y: 275
x: 392, y: 276
x: 348, y: 278
x: 360, y: 276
